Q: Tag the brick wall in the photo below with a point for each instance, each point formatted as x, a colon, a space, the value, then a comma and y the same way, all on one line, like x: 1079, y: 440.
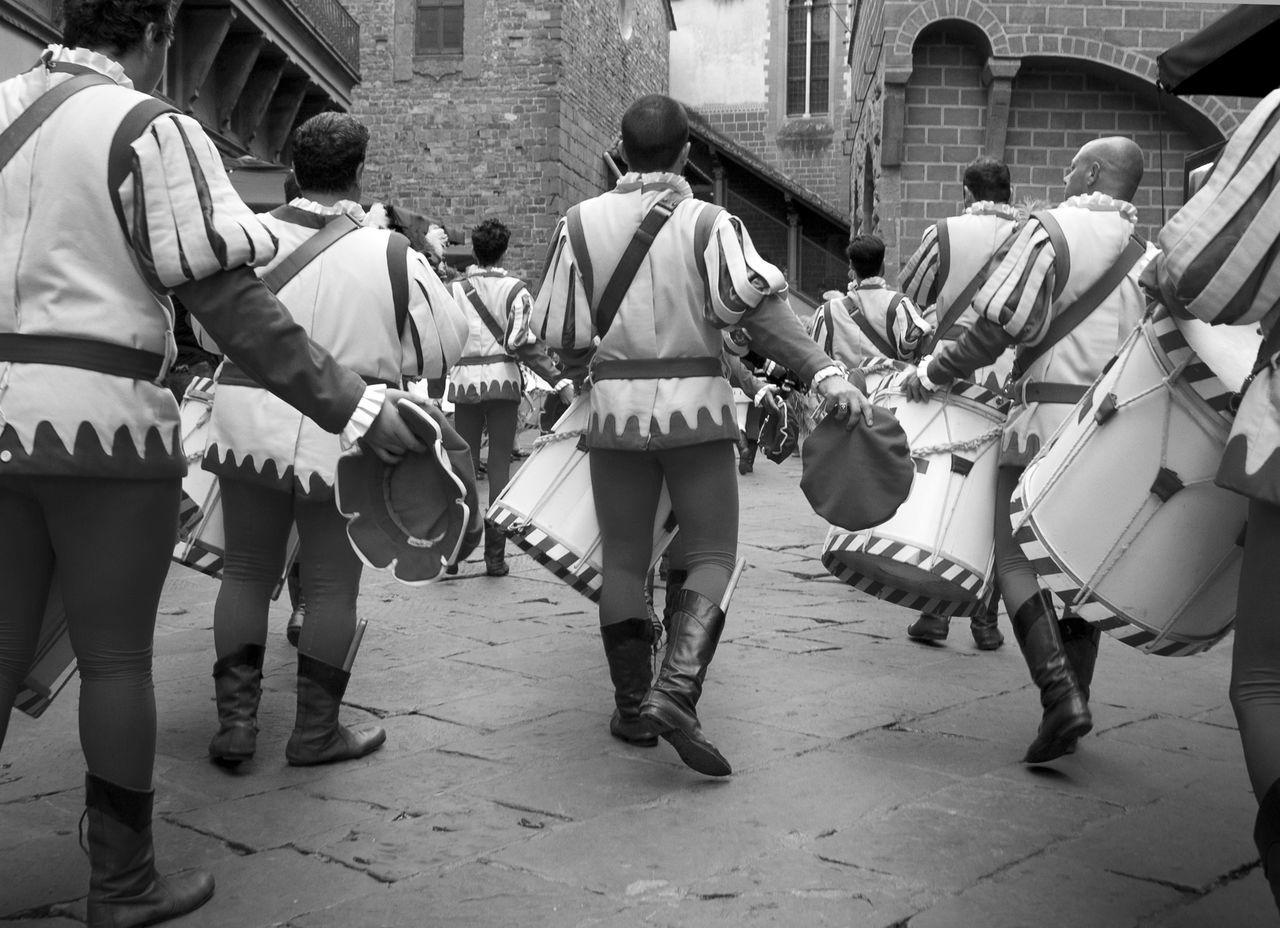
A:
x: 517, y: 126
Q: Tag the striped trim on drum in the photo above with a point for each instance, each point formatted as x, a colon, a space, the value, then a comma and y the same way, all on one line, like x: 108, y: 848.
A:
x: 1197, y: 375
x: 838, y: 542
x: 200, y: 559
x: 551, y: 554
x: 1074, y: 600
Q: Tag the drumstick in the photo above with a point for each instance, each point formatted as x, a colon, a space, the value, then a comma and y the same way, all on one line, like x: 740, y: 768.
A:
x: 355, y: 645
x: 733, y: 584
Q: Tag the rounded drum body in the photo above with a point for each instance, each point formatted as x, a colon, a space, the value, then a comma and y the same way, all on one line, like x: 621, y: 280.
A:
x: 547, y: 508
x: 937, y: 552
x: 1122, y: 506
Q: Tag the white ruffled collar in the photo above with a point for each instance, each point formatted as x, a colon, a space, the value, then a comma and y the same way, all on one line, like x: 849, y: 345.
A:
x: 89, y: 59
x: 475, y: 270
x: 868, y: 283
x: 633, y: 180
x: 350, y: 208
x: 991, y: 208
x: 1101, y: 202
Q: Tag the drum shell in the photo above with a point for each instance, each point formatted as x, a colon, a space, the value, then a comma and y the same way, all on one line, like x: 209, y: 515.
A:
x: 938, y: 550
x: 1113, y: 536
x: 547, y: 508
x: 741, y: 403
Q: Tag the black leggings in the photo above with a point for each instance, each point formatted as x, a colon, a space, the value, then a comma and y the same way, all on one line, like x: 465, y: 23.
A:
x: 1255, y: 657
x: 703, y: 483
x: 502, y: 417
x: 112, y: 540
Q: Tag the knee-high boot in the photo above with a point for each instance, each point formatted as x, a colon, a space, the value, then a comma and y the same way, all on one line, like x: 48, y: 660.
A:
x: 1266, y: 835
x: 317, y: 736
x: 1080, y: 641
x: 125, y: 891
x: 237, y: 686
x: 985, y: 625
x: 1066, y: 712
x: 671, y: 704
x: 628, y: 646
x: 495, y: 551
x: 675, y: 583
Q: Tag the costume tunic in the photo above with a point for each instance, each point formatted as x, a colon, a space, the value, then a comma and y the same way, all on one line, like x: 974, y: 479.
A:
x: 952, y: 253
x: 697, y: 278
x: 1029, y: 289
x: 896, y: 323
x: 489, y: 370
x: 71, y: 269
x: 346, y: 300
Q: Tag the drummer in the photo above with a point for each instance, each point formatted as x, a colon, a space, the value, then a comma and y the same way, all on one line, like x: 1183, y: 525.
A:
x: 872, y: 321
x: 662, y: 410
x: 1055, y: 259
x: 943, y: 275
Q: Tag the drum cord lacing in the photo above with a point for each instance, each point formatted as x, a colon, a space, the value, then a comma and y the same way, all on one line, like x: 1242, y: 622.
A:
x: 969, y: 444
x: 558, y: 436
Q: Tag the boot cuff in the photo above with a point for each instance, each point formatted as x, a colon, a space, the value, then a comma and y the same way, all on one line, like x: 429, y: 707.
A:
x: 1073, y: 628
x: 131, y: 807
x: 1266, y: 827
x: 332, y: 680
x: 247, y: 655
x: 627, y: 630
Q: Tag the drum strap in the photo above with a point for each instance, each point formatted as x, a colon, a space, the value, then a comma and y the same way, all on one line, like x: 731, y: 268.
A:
x: 1087, y: 302
x: 628, y: 265
x: 490, y: 323
x: 334, y: 230
x: 863, y: 323
x: 34, y: 116
x: 957, y: 307
x: 1066, y: 393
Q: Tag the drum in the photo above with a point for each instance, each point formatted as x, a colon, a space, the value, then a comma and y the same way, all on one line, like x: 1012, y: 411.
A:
x: 1120, y: 513
x: 937, y: 552
x: 547, y: 508
x: 201, y: 535
x: 741, y: 403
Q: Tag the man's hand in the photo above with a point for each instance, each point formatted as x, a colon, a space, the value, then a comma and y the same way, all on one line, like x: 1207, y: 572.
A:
x: 914, y: 389
x: 389, y: 437
x: 566, y: 394
x: 769, y: 401
x: 849, y: 403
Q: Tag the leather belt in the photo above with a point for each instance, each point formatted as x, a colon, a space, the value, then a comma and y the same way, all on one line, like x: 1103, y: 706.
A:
x: 475, y: 360
x: 656, y: 368
x: 84, y: 353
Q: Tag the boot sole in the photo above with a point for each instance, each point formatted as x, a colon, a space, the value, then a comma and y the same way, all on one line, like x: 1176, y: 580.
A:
x: 700, y: 756
x: 1063, y: 744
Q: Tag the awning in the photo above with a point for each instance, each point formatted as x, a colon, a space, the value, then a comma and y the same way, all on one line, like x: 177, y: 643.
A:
x: 1237, y: 55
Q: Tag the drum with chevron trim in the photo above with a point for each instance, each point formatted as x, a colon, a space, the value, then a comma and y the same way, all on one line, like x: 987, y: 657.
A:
x: 1120, y: 513
x: 547, y: 508
x: 937, y: 552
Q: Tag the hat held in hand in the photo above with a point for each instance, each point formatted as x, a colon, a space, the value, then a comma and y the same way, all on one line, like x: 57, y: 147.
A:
x: 419, y: 514
x: 857, y: 479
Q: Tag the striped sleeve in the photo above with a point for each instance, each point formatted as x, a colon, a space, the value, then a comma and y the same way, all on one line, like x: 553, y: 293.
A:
x: 185, y: 220
x: 1018, y: 295
x: 739, y: 278
x: 907, y: 330
x: 560, y: 314
x: 919, y: 278
x: 436, y: 329
x: 519, y: 314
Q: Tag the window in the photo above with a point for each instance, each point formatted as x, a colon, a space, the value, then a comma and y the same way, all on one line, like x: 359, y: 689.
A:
x: 439, y: 28
x: 808, y: 57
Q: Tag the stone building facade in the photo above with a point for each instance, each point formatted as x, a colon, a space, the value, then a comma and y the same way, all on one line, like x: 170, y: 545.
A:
x: 936, y: 83
x: 502, y: 108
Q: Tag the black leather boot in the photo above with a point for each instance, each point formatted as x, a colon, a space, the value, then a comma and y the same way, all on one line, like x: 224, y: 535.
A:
x: 125, y: 891
x: 929, y: 628
x: 317, y: 736
x: 1266, y: 835
x: 692, y: 636
x: 985, y: 627
x: 1066, y: 712
x: 237, y: 687
x: 1080, y: 641
x: 675, y: 583
x: 628, y: 646
x: 747, y: 457
x: 495, y: 551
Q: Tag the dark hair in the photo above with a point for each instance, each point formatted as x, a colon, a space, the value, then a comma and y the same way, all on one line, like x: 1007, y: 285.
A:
x: 654, y: 131
x: 327, y: 149
x: 988, y: 179
x: 866, y: 255
x: 113, y: 24
x: 489, y: 241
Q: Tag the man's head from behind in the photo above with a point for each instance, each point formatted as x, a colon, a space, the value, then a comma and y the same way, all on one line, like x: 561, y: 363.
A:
x: 1111, y: 165
x: 866, y: 256
x: 986, y: 179
x: 136, y: 33
x: 328, y: 154
x: 489, y: 242
x: 655, y: 134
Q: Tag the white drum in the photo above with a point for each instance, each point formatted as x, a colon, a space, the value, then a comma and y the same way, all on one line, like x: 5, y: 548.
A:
x: 547, y: 508
x: 741, y: 403
x: 201, y: 535
x: 1120, y: 512
x: 937, y: 552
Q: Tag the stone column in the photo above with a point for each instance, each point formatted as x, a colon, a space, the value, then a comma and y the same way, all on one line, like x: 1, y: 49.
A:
x: 997, y: 76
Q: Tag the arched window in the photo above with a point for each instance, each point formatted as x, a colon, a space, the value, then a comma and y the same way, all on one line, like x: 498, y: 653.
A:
x: 808, y: 57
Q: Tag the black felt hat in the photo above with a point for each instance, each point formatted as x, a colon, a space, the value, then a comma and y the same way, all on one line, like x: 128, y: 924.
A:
x: 857, y: 479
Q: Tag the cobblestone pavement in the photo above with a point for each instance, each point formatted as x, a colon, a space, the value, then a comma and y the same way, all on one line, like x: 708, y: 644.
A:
x: 876, y: 781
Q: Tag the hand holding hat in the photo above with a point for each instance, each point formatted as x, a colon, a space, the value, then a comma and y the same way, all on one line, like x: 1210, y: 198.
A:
x: 857, y: 477
x: 848, y: 402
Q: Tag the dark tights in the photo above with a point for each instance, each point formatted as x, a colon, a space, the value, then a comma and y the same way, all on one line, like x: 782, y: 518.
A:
x: 502, y: 417
x: 111, y: 540
x: 703, y: 483
x: 1255, y: 658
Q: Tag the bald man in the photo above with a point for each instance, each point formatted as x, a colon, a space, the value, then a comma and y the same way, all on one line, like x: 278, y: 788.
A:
x: 1055, y: 260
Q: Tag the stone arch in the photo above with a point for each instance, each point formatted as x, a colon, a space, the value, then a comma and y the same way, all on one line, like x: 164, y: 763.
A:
x: 1133, y: 64
x: 972, y: 12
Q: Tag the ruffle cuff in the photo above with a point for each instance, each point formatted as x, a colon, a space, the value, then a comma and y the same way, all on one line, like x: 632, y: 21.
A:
x: 366, y: 411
